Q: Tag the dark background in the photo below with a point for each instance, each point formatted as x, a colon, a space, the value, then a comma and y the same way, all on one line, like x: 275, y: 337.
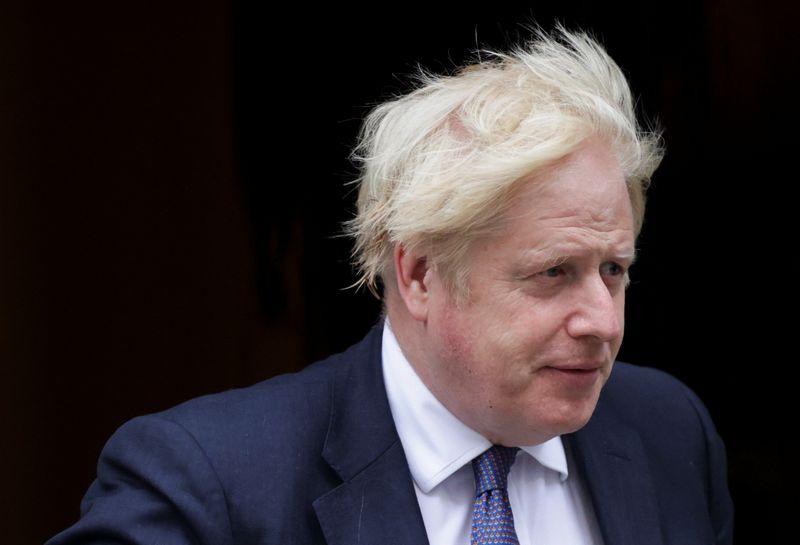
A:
x: 172, y: 178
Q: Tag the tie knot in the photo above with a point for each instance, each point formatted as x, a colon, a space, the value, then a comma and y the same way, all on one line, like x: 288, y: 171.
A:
x: 491, y: 468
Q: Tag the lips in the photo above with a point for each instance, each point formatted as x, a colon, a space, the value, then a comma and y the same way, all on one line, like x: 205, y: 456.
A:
x: 579, y: 375
x: 586, y: 367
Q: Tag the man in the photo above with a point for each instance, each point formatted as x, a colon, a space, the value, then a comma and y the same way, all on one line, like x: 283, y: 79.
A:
x: 497, y: 214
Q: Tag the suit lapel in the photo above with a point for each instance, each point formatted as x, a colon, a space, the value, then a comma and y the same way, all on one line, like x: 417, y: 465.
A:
x: 377, y: 506
x: 610, y: 458
x: 376, y: 502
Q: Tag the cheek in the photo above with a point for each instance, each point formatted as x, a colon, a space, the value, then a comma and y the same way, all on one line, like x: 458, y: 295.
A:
x: 621, y: 318
x: 464, y: 355
x: 538, y: 330
x: 453, y: 338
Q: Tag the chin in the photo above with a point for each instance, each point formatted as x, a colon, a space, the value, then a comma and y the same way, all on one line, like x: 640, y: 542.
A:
x: 574, y: 424
x: 574, y: 419
x: 560, y: 422
x: 541, y: 430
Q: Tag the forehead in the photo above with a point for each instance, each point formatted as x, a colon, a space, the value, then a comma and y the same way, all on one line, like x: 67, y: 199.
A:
x: 580, y: 202
x: 589, y: 172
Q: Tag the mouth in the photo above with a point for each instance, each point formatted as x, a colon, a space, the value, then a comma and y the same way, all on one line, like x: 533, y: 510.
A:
x: 578, y: 367
x: 577, y: 370
x: 579, y: 375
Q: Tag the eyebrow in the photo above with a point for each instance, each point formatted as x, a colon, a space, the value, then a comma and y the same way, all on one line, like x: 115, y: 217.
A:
x: 557, y: 254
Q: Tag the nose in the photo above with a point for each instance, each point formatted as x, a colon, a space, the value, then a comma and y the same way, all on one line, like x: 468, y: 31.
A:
x: 598, y: 312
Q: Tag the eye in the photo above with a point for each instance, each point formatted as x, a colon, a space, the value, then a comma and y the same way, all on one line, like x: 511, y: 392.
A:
x: 553, y: 272
x: 611, y: 268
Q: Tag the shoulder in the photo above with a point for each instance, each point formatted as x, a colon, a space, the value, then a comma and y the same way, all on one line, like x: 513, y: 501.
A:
x: 208, y: 469
x: 223, y: 447
x: 290, y: 409
x: 645, y: 394
x: 667, y: 413
x: 669, y: 434
x: 673, y: 425
x: 276, y: 406
x: 646, y: 386
x: 280, y: 421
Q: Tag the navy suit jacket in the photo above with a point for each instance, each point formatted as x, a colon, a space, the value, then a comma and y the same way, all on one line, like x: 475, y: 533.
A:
x: 314, y: 457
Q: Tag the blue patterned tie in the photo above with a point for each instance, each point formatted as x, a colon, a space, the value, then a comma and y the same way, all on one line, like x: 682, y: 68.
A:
x: 492, y: 521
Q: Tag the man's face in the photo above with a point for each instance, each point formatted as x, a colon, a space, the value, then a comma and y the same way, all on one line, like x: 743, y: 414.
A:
x: 524, y: 358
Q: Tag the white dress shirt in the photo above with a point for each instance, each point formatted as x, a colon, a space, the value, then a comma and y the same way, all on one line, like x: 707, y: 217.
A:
x: 550, y: 506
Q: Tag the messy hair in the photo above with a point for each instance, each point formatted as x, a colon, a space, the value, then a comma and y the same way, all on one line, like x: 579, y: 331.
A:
x: 439, y: 165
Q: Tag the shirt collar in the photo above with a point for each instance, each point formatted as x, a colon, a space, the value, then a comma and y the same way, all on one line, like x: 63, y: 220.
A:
x: 436, y: 443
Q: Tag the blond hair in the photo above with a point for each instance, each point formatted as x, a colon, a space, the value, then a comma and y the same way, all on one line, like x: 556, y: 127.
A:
x: 438, y: 165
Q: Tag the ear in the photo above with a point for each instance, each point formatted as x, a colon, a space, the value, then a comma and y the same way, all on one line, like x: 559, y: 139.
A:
x: 413, y: 273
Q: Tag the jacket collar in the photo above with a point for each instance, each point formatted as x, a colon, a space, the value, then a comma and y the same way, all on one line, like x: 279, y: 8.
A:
x: 611, y: 459
x: 376, y: 502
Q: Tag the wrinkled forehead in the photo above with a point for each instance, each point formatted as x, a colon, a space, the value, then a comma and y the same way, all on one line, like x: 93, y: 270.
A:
x: 588, y: 183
